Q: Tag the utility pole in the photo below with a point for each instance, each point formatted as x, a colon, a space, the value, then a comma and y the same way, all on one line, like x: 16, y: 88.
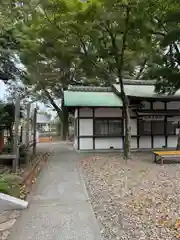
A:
x: 16, y: 135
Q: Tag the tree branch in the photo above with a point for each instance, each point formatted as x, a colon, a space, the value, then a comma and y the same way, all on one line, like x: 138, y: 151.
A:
x: 56, y: 107
x: 120, y: 60
x: 141, y: 69
x: 83, y: 46
x: 92, y: 61
x: 157, y: 33
x: 121, y: 63
x: 176, y: 48
x: 53, y: 23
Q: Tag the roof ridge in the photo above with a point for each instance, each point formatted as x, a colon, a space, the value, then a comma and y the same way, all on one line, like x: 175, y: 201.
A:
x: 89, y: 89
x: 139, y: 82
x: 109, y: 89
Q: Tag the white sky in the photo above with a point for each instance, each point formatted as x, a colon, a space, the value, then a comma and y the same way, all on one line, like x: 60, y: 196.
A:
x: 2, y: 90
x: 42, y: 107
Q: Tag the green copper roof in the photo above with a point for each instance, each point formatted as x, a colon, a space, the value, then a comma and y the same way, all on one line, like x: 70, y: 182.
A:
x: 81, y: 96
x: 91, y: 99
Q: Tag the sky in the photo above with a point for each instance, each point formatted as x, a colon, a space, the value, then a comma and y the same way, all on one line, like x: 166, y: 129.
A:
x: 2, y: 90
x: 42, y: 106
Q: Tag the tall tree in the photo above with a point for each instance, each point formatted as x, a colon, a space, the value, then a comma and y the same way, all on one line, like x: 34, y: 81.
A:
x: 101, y: 40
x: 115, y: 39
x: 166, y: 66
x: 49, y: 53
x: 9, y: 45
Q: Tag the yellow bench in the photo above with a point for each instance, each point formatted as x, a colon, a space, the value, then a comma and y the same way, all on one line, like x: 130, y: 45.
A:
x: 161, y: 155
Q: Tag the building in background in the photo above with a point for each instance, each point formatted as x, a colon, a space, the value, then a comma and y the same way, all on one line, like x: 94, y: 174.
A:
x: 43, y: 122
x: 99, y: 122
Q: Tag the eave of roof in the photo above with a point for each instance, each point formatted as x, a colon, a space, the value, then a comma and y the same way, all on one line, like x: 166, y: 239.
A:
x: 91, y: 99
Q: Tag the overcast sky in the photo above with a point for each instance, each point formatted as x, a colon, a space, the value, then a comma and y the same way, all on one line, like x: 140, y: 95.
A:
x: 41, y: 105
x: 2, y: 90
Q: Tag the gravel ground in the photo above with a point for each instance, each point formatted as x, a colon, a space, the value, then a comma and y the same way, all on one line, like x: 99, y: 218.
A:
x: 135, y: 201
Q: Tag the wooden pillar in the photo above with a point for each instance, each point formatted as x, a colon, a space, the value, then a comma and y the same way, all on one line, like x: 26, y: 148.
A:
x: 16, y: 135
x: 34, y: 130
x: 78, y: 130
x: 21, y: 135
x: 27, y: 125
x: 93, y: 112
x: 165, y: 126
x: 152, y: 136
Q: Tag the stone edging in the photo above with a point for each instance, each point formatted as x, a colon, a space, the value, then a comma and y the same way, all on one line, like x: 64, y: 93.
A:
x: 8, y: 218
x: 28, y: 178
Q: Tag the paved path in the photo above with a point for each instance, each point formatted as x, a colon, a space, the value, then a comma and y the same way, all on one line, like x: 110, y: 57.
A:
x: 59, y: 205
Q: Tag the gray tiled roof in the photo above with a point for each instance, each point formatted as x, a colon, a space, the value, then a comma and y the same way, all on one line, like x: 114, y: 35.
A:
x: 105, y: 96
x: 109, y: 89
x: 139, y: 82
x: 89, y: 89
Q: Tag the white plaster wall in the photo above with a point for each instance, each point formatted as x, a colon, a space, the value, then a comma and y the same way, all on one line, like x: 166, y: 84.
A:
x: 108, y: 112
x: 86, y: 127
x: 159, y: 141
x: 134, y: 142
x: 158, y: 105
x: 76, y: 113
x: 106, y: 143
x: 132, y: 113
x: 85, y: 112
x: 75, y: 143
x: 173, y: 105
x: 145, y: 142
x: 133, y: 127
x: 86, y: 143
x: 172, y: 141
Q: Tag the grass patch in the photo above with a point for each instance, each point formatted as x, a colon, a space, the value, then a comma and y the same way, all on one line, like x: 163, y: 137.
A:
x: 4, y: 187
x: 11, y: 184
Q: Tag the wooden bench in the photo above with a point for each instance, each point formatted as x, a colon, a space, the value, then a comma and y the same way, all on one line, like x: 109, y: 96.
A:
x: 161, y: 155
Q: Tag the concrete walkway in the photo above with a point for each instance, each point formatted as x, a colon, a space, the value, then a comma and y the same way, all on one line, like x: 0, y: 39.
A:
x: 59, y: 204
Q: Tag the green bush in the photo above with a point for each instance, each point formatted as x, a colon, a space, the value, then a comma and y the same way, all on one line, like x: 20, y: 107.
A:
x: 4, y: 187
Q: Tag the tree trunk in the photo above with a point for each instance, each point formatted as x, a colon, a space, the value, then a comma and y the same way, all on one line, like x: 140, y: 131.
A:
x: 127, y: 126
x: 127, y: 120
x: 64, y: 123
x: 10, y: 129
x: 58, y: 128
x: 127, y: 138
x: 178, y: 141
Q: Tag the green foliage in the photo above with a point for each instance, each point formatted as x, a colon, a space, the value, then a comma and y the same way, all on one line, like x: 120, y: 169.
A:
x: 70, y: 42
x: 73, y: 40
x: 4, y: 187
x: 7, y: 112
x: 9, y: 44
x: 11, y: 184
x: 166, y: 65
